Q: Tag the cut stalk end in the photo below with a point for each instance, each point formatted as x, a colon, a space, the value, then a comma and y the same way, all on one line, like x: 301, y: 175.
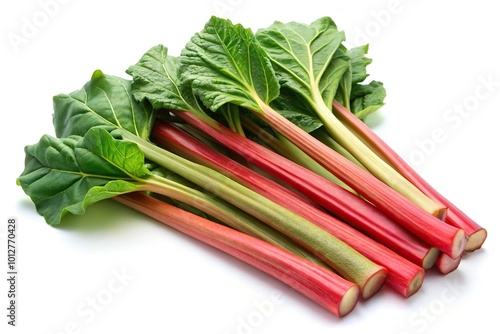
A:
x: 446, y: 264
x: 476, y: 240
x: 459, y: 243
x: 441, y: 213
x: 349, y: 301
x: 415, y: 284
x: 430, y: 259
x: 374, y: 283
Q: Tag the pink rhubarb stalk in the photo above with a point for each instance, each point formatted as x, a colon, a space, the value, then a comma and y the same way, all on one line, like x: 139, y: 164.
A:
x: 326, y: 288
x: 455, y: 217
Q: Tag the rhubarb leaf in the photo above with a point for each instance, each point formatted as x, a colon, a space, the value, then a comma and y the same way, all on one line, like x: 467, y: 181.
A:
x: 343, y: 93
x: 297, y: 110
x: 105, y: 101
x: 155, y: 79
x: 306, y: 58
x: 350, y: 87
x: 66, y: 175
x: 366, y: 99
x: 225, y: 64
x: 359, y: 62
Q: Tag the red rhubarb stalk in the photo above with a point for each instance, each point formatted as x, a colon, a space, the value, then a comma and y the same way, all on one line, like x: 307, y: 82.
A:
x: 404, y: 276
x: 428, y: 228
x: 326, y: 288
x: 476, y: 234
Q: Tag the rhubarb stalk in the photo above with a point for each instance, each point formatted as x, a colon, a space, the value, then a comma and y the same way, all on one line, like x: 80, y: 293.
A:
x: 476, y: 234
x: 326, y: 288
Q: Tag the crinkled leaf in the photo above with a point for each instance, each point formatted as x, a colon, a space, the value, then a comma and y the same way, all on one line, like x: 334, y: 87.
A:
x: 155, y: 79
x: 366, y: 99
x: 359, y: 62
x: 306, y: 122
x: 302, y: 56
x: 343, y: 93
x: 298, y: 111
x: 104, y: 101
x: 336, y: 73
x: 355, y: 74
x: 224, y: 64
x: 64, y: 175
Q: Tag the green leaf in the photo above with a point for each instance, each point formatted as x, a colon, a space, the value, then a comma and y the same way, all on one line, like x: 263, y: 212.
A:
x: 66, y: 175
x: 366, y: 99
x: 334, y: 78
x: 345, y: 83
x: 224, y: 64
x: 354, y: 75
x: 295, y: 109
x: 359, y: 62
x: 308, y: 123
x: 105, y: 101
x: 343, y: 94
x: 306, y: 57
x: 155, y: 79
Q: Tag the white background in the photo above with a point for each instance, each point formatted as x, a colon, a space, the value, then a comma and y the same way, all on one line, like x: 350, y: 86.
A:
x: 434, y: 58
